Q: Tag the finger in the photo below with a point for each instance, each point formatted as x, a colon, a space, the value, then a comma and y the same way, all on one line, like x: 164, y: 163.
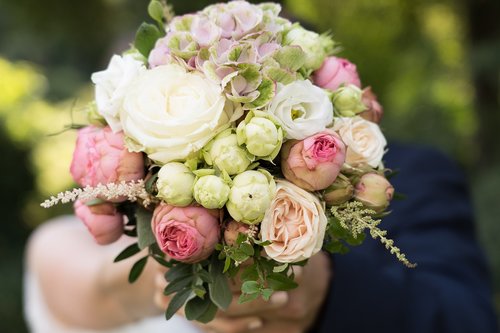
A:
x: 257, y: 306
x: 232, y: 325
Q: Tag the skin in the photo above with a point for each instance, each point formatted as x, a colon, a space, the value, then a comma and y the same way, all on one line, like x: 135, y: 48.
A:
x: 69, y: 266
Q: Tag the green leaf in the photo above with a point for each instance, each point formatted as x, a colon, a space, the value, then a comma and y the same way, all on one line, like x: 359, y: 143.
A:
x: 137, y: 269
x: 146, y: 37
x: 247, y: 249
x: 200, y: 291
x: 209, y: 315
x: 144, y: 233
x: 227, y: 264
x: 179, y: 270
x: 155, y: 10
x: 161, y: 260
x: 266, y: 293
x: 151, y: 184
x: 247, y: 297
x: 278, y: 281
x: 250, y: 287
x: 128, y: 252
x: 250, y: 273
x: 280, y: 268
x: 178, y: 301
x: 196, y: 307
x: 220, y: 293
x: 178, y: 285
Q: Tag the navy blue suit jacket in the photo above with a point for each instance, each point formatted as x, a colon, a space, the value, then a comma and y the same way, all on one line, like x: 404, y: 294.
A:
x: 448, y: 292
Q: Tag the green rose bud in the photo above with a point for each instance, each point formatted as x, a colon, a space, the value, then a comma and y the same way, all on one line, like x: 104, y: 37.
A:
x: 211, y: 192
x: 225, y: 153
x: 339, y: 192
x: 347, y: 101
x: 250, y: 196
x: 261, y: 135
x: 316, y: 47
x: 175, y: 184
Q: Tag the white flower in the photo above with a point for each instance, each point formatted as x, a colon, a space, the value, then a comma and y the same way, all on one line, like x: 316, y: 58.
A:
x: 302, y: 109
x: 364, y: 140
x: 250, y: 196
x: 295, y: 223
x: 211, y: 192
x: 175, y: 184
x: 171, y: 114
x: 111, y: 86
x: 225, y: 153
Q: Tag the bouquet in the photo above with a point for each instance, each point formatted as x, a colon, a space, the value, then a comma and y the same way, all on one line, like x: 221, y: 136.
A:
x: 230, y: 142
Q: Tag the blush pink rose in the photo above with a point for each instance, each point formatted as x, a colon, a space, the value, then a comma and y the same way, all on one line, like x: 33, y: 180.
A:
x: 374, y: 191
x: 103, y: 221
x: 186, y: 234
x: 101, y: 157
x: 374, y: 110
x: 334, y: 72
x: 313, y: 163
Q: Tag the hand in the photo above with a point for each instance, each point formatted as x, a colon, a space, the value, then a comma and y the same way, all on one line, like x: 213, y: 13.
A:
x: 286, y: 312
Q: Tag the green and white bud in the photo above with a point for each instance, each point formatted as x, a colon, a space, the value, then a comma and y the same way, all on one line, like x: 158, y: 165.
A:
x: 225, y: 153
x: 175, y: 184
x: 250, y: 196
x: 261, y: 134
x: 211, y: 192
x: 348, y: 101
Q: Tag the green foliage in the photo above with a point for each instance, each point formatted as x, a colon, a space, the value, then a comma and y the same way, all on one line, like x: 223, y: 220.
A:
x: 144, y: 232
x: 128, y: 252
x: 146, y: 37
x: 137, y: 269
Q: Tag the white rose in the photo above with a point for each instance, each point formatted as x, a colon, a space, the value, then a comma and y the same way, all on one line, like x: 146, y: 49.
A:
x: 175, y: 184
x: 111, y: 86
x: 302, y: 109
x: 171, y: 114
x: 295, y: 223
x: 364, y: 140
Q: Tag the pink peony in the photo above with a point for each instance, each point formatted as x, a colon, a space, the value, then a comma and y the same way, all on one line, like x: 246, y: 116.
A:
x: 104, y: 223
x: 313, y: 163
x: 101, y: 157
x: 374, y: 110
x: 186, y: 234
x: 334, y: 72
x: 374, y: 191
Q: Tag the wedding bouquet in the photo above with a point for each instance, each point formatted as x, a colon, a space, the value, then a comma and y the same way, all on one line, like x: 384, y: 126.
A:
x: 230, y: 142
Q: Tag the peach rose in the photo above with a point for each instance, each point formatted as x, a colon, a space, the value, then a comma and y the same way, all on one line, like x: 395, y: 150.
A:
x: 186, y: 234
x: 295, y: 224
x: 104, y: 223
x: 315, y: 162
x: 101, y: 157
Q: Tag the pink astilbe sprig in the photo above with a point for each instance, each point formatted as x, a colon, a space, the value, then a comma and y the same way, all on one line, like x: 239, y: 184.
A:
x: 133, y: 190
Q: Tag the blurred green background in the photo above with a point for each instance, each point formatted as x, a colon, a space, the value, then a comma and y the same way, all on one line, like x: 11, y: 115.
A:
x: 434, y: 64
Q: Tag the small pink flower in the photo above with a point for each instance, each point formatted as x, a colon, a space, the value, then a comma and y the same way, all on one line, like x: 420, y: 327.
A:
x: 334, y: 72
x: 232, y: 230
x: 315, y: 162
x: 374, y: 191
x: 186, y: 234
x: 101, y: 157
x: 104, y: 223
x: 160, y: 54
x: 374, y: 110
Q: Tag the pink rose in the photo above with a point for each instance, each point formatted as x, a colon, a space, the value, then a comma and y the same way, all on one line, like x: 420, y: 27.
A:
x: 104, y: 223
x: 374, y: 110
x: 232, y: 230
x: 101, y: 157
x: 374, y: 191
x: 315, y: 162
x: 186, y: 234
x: 334, y: 72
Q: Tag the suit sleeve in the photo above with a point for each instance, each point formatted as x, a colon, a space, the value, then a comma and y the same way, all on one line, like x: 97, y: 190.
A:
x: 448, y: 292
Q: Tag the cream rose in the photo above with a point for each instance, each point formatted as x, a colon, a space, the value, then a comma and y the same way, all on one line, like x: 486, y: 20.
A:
x: 171, y: 114
x: 302, y: 109
x: 364, y: 140
x: 295, y: 224
x: 111, y: 86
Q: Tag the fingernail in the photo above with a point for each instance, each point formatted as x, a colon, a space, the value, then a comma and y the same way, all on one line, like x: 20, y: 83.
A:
x: 279, y: 298
x: 254, y: 324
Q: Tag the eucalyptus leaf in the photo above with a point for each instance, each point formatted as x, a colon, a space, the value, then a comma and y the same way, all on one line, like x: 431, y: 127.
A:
x: 178, y: 285
x: 144, y: 233
x: 209, y: 314
x: 178, y: 301
x: 137, y: 269
x: 128, y: 252
x: 196, y: 307
x: 219, y: 290
x: 179, y: 270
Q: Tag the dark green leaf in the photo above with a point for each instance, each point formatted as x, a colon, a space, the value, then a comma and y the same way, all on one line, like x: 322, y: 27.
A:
x: 250, y: 287
x: 205, y: 276
x: 220, y: 293
x: 128, y: 252
x: 177, y: 285
x: 247, y: 249
x: 209, y: 314
x: 227, y: 264
x: 130, y: 232
x: 239, y: 256
x: 151, y: 184
x: 241, y: 238
x: 144, y: 232
x: 250, y: 273
x: 146, y: 37
x: 161, y: 260
x: 179, y: 270
x: 278, y: 281
x: 196, y: 307
x: 355, y: 241
x: 137, y: 269
x: 178, y: 301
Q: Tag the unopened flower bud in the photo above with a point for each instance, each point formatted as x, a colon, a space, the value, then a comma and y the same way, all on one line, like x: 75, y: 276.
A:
x: 175, y: 184
x: 339, y: 192
x: 347, y: 101
x: 374, y: 191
